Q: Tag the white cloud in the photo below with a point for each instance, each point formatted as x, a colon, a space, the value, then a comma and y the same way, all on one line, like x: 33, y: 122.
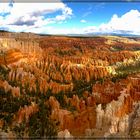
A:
x: 24, y: 16
x: 54, y: 30
x: 4, y: 8
x: 31, y: 17
x: 129, y: 22
x: 83, y: 21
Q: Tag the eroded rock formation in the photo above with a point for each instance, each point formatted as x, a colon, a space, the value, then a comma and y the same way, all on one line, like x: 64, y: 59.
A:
x: 89, y: 83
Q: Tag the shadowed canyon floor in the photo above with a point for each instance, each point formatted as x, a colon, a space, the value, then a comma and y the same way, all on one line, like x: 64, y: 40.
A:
x: 69, y: 86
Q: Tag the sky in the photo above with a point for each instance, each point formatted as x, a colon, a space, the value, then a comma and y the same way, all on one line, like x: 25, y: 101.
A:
x: 71, y: 18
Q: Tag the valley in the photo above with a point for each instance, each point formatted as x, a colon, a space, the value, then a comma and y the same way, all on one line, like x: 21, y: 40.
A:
x: 60, y: 86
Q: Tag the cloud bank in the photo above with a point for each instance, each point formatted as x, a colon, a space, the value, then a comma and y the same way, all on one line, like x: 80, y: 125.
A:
x: 35, y: 17
x: 129, y: 23
x: 27, y: 16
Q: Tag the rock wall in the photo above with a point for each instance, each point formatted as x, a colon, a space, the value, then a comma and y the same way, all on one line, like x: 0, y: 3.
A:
x: 24, y: 45
x: 18, y: 35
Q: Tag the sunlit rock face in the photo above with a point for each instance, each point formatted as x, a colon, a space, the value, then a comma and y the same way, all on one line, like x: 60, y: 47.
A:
x: 106, y: 92
x: 24, y: 45
x: 117, y: 116
x: 135, y: 128
x: 25, y: 113
x: 14, y: 47
x: 64, y: 134
x: 92, y: 85
x: 112, y: 118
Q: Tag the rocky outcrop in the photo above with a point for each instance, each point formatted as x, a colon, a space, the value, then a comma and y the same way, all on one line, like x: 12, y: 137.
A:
x: 106, y: 92
x: 116, y: 115
x: 76, y: 123
x: 64, y: 134
x: 57, y: 88
x: 15, y: 91
x: 73, y: 75
x: 24, y: 45
x: 4, y: 34
x: 135, y: 121
x: 25, y: 112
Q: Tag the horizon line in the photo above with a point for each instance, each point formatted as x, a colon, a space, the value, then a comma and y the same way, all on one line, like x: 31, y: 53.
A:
x: 77, y: 35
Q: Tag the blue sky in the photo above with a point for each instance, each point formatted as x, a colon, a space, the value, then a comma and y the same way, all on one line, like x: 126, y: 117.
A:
x: 102, y: 12
x: 96, y: 13
x: 71, y: 18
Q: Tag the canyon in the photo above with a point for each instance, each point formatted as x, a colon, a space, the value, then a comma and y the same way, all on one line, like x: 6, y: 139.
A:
x: 79, y: 86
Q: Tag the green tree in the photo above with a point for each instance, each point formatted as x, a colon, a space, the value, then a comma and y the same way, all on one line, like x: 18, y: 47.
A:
x: 40, y: 124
